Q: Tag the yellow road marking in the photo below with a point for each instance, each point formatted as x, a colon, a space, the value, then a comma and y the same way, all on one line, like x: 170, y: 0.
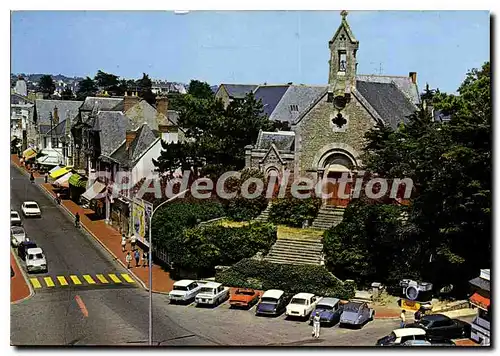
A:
x: 49, y: 282
x: 35, y: 283
x: 62, y: 280
x: 127, y: 278
x: 75, y: 280
x: 88, y: 279
x: 114, y: 278
x: 101, y: 278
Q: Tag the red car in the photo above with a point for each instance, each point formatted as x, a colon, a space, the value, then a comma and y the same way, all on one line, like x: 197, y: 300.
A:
x: 244, y: 297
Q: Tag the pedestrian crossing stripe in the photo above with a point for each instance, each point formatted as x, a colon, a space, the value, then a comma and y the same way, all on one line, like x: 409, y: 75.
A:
x: 88, y: 279
x: 84, y: 280
x: 49, y: 282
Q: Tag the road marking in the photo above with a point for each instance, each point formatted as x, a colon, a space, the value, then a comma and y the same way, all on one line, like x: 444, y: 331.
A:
x: 49, y: 282
x: 88, y: 279
x: 82, y: 306
x: 101, y: 278
x: 114, y: 278
x: 35, y: 283
x: 62, y: 280
x: 75, y: 279
x: 127, y: 278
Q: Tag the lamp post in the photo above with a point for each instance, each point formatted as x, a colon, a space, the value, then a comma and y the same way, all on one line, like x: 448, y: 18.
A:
x: 150, y: 263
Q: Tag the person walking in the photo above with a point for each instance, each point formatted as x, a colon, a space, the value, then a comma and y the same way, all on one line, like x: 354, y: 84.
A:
x: 128, y: 259
x: 316, y: 325
x: 418, y: 315
x: 124, y: 242
x: 403, y: 318
x: 58, y: 198
x: 144, y: 259
x: 32, y: 177
x: 137, y: 257
x: 133, y: 241
x: 46, y: 177
x: 77, y: 220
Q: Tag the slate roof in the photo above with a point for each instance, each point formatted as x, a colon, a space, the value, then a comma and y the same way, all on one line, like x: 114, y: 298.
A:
x: 143, y: 140
x: 439, y: 116
x: 239, y: 91
x: 43, y: 129
x: 270, y: 95
x: 103, y: 104
x: 388, y: 101
x: 112, y: 127
x: 300, y: 95
x: 173, y: 116
x: 143, y: 112
x: 58, y: 130
x: 18, y: 99
x: 403, y: 83
x: 481, y: 283
x: 283, y: 140
x: 45, y: 107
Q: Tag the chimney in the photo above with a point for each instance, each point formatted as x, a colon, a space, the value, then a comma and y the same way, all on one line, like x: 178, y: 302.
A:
x: 129, y: 137
x: 129, y: 101
x: 169, y: 134
x: 56, y: 115
x: 162, y: 105
x: 413, y: 76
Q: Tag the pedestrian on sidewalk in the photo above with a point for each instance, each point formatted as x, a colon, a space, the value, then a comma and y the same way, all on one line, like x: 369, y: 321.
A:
x: 58, y: 198
x: 32, y: 177
x: 124, y: 242
x: 46, y: 177
x: 144, y: 259
x: 128, y: 258
x: 133, y: 241
x: 137, y: 256
x: 403, y: 318
x: 418, y: 315
x: 316, y: 325
x: 77, y: 220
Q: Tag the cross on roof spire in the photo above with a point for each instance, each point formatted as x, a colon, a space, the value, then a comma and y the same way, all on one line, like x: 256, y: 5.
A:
x: 343, y: 13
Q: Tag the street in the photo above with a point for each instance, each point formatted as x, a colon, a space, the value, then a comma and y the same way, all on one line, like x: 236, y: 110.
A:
x: 117, y: 313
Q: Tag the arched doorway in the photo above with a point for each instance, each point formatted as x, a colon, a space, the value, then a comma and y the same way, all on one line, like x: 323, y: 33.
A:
x: 336, y: 165
x: 273, y: 175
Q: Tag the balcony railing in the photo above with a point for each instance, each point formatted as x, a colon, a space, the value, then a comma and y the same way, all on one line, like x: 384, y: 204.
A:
x: 482, y: 323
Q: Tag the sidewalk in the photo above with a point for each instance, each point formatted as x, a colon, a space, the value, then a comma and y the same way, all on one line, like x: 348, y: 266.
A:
x: 19, y: 289
x: 111, y: 241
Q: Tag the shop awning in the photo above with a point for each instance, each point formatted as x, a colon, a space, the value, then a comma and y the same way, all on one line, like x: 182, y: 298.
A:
x: 479, y: 301
x: 60, y: 172
x: 49, y: 157
x: 55, y: 169
x: 63, y: 181
x: 94, y: 189
x: 29, y: 153
x: 77, y: 180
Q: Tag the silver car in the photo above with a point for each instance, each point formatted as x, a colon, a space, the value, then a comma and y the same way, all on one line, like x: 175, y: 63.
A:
x: 17, y: 235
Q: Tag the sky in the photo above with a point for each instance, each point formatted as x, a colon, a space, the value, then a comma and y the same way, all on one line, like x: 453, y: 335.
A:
x: 248, y: 47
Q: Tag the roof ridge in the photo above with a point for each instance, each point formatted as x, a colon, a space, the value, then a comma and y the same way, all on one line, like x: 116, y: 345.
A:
x: 380, y: 75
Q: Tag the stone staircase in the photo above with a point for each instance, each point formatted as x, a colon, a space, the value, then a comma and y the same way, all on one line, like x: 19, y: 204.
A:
x: 328, y: 216
x: 265, y: 214
x: 296, y: 251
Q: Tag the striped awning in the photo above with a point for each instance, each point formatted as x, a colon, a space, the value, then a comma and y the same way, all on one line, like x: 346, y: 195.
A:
x: 77, y: 180
x: 94, y: 190
x: 29, y: 153
x: 60, y: 172
x: 63, y: 181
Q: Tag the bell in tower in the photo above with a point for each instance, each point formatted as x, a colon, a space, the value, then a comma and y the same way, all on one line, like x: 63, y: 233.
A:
x: 342, y: 76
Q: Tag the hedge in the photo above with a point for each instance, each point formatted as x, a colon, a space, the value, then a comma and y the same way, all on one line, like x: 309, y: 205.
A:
x: 263, y: 275
x: 293, y: 211
x: 202, y: 248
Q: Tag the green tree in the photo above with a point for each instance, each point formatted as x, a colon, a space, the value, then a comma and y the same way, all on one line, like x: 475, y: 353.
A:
x: 46, y: 85
x: 67, y: 94
x: 200, y: 90
x: 106, y: 81
x: 144, y: 85
x: 86, y: 87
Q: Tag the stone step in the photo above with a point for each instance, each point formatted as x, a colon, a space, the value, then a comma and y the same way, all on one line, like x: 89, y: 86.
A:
x: 290, y: 247
x: 299, y: 241
x: 292, y: 261
x: 299, y: 253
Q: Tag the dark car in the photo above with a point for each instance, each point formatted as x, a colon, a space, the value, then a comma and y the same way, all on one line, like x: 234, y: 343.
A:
x: 23, y: 247
x: 273, y: 302
x: 441, y: 327
x: 329, y: 310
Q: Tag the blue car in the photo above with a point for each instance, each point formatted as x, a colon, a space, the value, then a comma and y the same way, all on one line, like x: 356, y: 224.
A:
x: 329, y: 310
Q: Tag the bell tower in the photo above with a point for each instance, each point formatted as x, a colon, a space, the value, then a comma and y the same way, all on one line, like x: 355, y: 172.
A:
x: 343, y: 65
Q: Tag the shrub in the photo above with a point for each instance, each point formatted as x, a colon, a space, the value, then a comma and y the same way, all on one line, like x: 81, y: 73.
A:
x: 202, y: 248
x: 293, y: 211
x: 292, y: 279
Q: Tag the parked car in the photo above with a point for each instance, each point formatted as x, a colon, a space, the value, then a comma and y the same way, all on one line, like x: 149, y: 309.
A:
x: 273, y: 302
x: 212, y: 293
x: 356, y: 313
x: 23, y: 247
x: 244, y: 297
x: 441, y: 327
x: 17, y: 235
x: 184, y: 291
x: 31, y: 209
x: 400, y: 336
x: 35, y: 260
x: 15, y: 219
x: 302, y: 304
x: 329, y: 310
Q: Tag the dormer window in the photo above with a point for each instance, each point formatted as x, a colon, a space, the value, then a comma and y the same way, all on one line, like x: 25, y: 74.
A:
x: 294, y: 107
x: 342, y: 61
